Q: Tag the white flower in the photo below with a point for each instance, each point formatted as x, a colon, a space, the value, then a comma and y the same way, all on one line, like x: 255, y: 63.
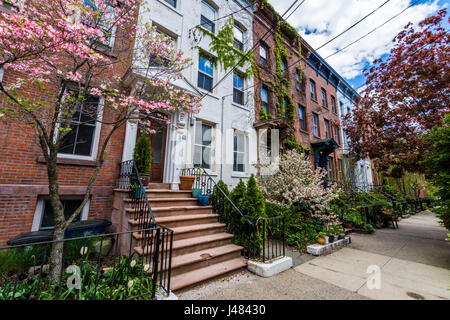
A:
x: 83, y: 250
x: 130, y: 283
x: 146, y: 267
x: 132, y: 263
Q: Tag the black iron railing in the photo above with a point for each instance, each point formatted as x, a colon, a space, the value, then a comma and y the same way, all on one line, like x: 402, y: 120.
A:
x: 261, y: 238
x: 99, y: 267
x: 130, y: 179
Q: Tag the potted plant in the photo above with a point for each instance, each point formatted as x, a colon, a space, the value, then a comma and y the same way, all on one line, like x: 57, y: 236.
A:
x: 321, y: 237
x: 369, y: 228
x: 196, y: 192
x: 143, y: 158
x: 203, y: 200
x: 336, y: 231
x: 186, y: 182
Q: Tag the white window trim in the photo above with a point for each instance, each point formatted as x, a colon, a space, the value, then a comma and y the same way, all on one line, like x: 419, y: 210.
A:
x: 245, y: 152
x: 212, y: 168
x: 1, y: 74
x: 38, y: 212
x: 96, y: 139
x: 207, y: 75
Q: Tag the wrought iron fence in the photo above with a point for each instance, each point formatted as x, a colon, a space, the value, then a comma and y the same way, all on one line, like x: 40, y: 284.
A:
x: 100, y: 267
x: 262, y: 238
x: 130, y: 179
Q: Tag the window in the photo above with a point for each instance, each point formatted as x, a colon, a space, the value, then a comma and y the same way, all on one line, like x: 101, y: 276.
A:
x: 173, y: 3
x: 262, y: 55
x: 297, y: 78
x: 330, y: 168
x: 302, y: 118
x: 1, y: 74
x: 205, y: 73
x: 341, y: 107
x: 158, y: 60
x: 203, y: 145
x: 283, y: 69
x: 239, y: 152
x: 44, y: 219
x: 208, y: 16
x: 341, y: 169
x: 238, y: 38
x: 265, y: 99
x: 238, y: 89
x: 81, y: 139
x: 326, y: 124
x: 105, y: 20
x: 333, y: 104
x: 336, y: 134
x: 324, y: 98
x: 316, y: 124
x: 312, y: 88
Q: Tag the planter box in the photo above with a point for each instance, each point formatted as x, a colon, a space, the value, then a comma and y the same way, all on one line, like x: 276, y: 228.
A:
x: 321, y: 249
x: 271, y: 268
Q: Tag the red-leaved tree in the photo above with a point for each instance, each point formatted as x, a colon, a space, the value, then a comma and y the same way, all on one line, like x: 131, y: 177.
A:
x: 406, y: 95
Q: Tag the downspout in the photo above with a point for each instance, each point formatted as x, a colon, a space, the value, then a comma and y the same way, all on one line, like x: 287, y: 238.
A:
x: 222, y: 138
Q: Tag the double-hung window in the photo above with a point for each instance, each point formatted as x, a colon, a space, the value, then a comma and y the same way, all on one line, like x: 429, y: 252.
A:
x: 238, y: 89
x: 330, y: 168
x: 341, y: 107
x: 238, y: 38
x: 203, y: 145
x: 173, y: 3
x: 262, y: 55
x: 336, y: 134
x: 83, y: 137
x: 333, y: 104
x: 207, y: 17
x: 326, y: 125
x: 324, y: 98
x: 316, y: 124
x: 302, y: 118
x: 312, y: 88
x: 205, y: 73
x: 285, y: 110
x: 159, y: 60
x: 239, y: 152
x: 283, y: 69
x: 265, y: 99
x: 105, y: 21
x: 297, y: 78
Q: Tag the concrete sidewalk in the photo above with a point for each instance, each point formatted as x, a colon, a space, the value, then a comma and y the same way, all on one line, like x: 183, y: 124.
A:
x: 414, y: 261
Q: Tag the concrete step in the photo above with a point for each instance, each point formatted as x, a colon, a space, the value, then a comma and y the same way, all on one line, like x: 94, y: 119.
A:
x: 204, y: 258
x: 175, y: 211
x: 157, y: 185
x: 193, y: 277
x: 182, y: 220
x: 185, y: 246
x: 192, y: 231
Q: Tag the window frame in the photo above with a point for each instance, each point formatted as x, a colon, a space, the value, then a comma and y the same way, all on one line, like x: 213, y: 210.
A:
x: 323, y: 93
x: 95, y: 138
x: 297, y: 79
x: 237, y: 152
x: 211, y: 23
x: 336, y: 134
x: 211, y: 146
x: 238, y: 44
x: 204, y: 74
x: 266, y: 59
x: 267, y: 110
x: 302, y: 118
x: 326, y: 125
x: 39, y: 210
x: 315, y: 117
x: 333, y: 104
x: 174, y: 5
x: 312, y: 89
x: 238, y: 90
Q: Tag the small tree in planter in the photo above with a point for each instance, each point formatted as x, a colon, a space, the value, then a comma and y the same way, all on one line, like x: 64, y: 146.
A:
x: 143, y: 158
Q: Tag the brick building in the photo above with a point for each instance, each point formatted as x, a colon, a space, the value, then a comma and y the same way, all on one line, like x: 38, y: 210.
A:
x: 305, y: 103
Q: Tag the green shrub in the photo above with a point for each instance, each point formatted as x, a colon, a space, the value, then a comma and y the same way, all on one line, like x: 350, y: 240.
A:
x: 252, y: 204
x: 143, y: 154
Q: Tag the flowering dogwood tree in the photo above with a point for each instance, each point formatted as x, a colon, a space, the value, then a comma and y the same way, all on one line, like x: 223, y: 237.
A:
x: 293, y: 180
x: 71, y: 50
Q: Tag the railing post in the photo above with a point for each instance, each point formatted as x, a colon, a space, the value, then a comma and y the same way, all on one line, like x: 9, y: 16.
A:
x: 155, y: 261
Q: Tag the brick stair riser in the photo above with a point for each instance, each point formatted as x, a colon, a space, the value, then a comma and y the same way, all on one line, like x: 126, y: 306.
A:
x: 171, y: 203
x: 204, y: 263
x: 168, y: 195
x: 174, y: 212
x: 191, y: 234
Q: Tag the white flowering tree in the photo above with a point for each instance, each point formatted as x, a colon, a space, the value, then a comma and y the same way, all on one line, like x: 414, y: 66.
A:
x: 293, y: 180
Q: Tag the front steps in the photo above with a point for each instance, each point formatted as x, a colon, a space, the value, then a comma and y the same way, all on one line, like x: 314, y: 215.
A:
x: 201, y: 249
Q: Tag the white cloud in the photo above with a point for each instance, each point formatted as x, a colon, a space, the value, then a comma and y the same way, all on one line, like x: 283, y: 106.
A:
x: 328, y: 18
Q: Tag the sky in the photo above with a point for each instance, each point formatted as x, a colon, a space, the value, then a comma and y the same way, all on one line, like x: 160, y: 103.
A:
x: 317, y: 21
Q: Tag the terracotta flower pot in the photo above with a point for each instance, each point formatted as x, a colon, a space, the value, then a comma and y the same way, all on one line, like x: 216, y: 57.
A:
x: 186, y: 182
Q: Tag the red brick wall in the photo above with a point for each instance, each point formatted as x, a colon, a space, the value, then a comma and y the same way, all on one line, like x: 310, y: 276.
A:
x: 23, y: 175
x: 261, y: 25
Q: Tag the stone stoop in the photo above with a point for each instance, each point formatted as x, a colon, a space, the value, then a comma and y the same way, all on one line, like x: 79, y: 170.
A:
x: 201, y: 249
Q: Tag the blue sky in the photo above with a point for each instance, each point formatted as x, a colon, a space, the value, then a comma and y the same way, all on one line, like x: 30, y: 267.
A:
x: 320, y: 20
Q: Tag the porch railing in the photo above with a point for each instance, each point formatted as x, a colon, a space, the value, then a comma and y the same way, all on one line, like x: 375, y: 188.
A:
x: 262, y: 238
x: 130, y: 179
x: 100, y: 267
